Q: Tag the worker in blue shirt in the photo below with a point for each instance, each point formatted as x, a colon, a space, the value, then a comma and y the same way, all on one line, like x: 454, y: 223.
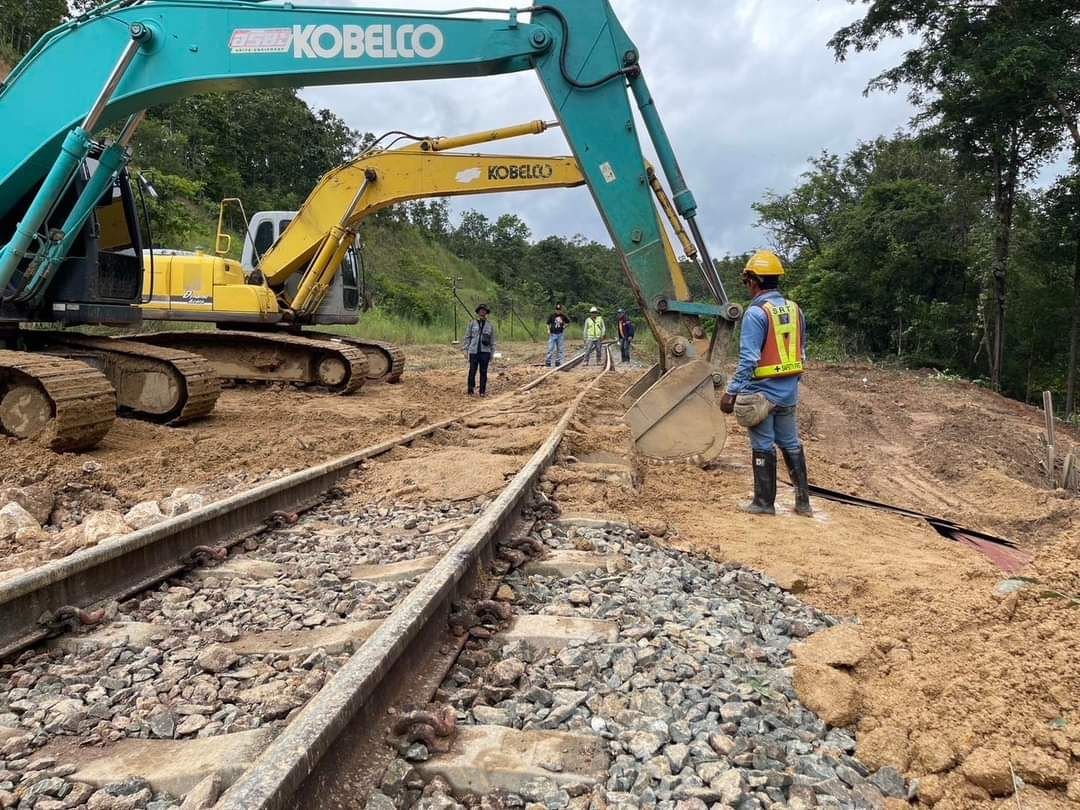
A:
x: 764, y: 391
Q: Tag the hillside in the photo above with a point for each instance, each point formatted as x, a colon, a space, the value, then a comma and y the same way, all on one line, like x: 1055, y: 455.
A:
x: 410, y: 274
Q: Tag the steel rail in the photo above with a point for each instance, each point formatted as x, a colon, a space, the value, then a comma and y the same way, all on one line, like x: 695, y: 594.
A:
x: 31, y: 602
x: 353, y: 692
x: 1004, y: 553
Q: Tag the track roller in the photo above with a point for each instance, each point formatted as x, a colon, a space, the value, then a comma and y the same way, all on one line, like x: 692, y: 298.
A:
x: 386, y: 362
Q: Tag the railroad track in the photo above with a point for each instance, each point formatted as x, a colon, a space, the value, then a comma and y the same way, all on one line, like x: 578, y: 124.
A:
x: 400, y: 632
x: 403, y: 643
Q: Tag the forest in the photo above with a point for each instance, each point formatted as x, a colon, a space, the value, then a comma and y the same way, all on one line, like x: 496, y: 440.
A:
x: 952, y: 245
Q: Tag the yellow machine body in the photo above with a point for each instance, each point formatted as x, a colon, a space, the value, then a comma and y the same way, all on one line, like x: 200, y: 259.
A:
x: 200, y: 287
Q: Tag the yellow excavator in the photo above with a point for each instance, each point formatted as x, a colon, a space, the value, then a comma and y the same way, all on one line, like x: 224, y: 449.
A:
x: 301, y: 268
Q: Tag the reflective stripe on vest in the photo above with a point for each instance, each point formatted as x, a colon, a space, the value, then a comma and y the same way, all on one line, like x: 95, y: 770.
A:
x: 781, y: 356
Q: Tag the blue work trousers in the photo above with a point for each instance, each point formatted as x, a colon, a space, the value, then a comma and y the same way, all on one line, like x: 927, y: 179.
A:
x: 556, y: 352
x: 779, y: 428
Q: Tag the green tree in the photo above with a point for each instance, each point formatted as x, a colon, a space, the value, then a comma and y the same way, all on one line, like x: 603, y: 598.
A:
x: 889, y: 269
x: 976, y: 78
x: 1050, y: 250
x: 22, y: 22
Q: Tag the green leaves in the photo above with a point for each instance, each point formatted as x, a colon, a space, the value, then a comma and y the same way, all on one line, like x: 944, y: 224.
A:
x: 1071, y: 600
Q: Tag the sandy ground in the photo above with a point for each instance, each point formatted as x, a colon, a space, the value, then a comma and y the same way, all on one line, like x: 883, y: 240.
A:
x: 954, y: 676
x: 254, y: 433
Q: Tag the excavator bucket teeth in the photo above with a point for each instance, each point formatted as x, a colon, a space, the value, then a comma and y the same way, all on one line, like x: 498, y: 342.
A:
x: 679, y: 418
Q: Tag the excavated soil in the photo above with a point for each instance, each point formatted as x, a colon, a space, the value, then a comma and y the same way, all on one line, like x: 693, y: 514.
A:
x: 956, y: 686
x: 254, y: 433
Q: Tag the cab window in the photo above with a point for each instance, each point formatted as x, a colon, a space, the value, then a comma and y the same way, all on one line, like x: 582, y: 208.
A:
x: 264, y: 237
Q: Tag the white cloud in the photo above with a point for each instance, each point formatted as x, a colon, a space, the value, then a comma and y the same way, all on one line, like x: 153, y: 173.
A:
x: 748, y: 91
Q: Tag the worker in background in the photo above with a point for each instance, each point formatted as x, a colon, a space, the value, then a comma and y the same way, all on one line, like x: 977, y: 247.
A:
x: 626, y: 335
x: 595, y: 329
x: 556, y: 324
x: 764, y: 391
x: 479, y: 345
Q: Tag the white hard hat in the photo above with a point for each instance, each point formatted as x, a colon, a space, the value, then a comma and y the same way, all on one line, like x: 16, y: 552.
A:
x: 593, y: 309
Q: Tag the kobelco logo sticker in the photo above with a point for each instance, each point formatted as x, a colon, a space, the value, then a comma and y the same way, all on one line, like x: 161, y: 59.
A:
x: 344, y: 41
x: 526, y: 171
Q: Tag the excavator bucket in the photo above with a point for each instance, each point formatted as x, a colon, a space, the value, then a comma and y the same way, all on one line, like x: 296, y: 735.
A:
x: 678, y: 417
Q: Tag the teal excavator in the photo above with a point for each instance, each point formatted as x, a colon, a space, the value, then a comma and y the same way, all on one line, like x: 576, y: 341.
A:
x: 72, y: 248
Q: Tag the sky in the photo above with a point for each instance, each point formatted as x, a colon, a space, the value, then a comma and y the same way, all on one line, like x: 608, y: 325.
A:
x: 747, y: 89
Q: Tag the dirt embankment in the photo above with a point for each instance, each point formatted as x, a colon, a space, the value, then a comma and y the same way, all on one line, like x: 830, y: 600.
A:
x: 956, y: 686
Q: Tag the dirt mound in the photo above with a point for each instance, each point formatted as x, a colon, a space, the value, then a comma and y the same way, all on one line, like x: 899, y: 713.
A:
x: 425, y: 474
x: 941, y: 676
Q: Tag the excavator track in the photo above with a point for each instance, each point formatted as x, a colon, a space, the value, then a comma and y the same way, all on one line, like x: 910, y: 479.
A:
x: 62, y: 404
x: 386, y: 362
x: 154, y: 383
x: 269, y: 357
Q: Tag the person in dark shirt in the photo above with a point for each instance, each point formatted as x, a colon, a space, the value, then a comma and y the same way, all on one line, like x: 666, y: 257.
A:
x: 556, y: 324
x: 626, y: 335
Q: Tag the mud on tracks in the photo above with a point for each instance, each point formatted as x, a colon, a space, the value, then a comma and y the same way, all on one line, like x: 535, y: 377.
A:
x: 255, y: 433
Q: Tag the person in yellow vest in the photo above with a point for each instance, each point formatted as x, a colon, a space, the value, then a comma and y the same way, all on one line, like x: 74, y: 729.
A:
x: 764, y: 391
x: 594, y: 332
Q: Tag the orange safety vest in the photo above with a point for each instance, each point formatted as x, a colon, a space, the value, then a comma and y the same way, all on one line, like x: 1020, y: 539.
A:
x: 782, y: 353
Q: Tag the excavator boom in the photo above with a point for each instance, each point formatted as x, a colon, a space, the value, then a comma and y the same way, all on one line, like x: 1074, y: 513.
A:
x: 396, y: 177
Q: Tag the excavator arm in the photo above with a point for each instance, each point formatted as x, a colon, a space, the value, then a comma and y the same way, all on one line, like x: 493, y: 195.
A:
x: 165, y: 49
x: 325, y: 226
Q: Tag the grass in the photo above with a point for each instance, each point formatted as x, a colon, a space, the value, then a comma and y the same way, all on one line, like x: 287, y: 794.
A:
x: 378, y: 324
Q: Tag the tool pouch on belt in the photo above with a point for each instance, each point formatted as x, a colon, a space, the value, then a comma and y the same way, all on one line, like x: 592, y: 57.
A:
x: 751, y: 409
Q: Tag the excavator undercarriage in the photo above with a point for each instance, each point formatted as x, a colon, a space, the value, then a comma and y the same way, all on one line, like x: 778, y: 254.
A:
x: 61, y: 404
x: 386, y: 361
x: 152, y: 383
x: 272, y: 357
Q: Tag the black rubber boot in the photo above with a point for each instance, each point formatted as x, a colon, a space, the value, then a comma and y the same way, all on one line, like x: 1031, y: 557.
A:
x: 796, y: 464
x: 764, y: 485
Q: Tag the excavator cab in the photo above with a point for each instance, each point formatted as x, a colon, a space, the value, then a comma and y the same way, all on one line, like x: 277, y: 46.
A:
x: 343, y: 299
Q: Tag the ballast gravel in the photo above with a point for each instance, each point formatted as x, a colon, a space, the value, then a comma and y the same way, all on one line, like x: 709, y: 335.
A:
x: 186, y: 683
x: 694, y: 700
